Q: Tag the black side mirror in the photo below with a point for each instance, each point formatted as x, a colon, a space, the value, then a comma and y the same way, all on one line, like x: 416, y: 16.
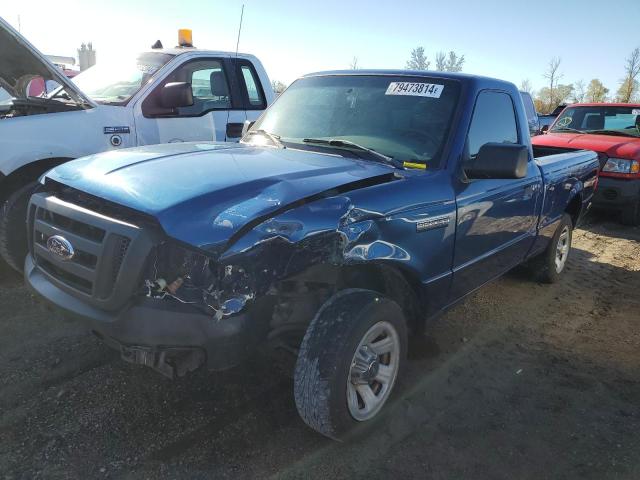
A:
x: 499, y: 160
x: 544, y: 129
x: 176, y: 94
x: 247, y: 126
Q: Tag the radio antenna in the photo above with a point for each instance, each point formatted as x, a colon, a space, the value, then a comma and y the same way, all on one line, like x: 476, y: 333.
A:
x: 235, y: 67
x: 239, y: 31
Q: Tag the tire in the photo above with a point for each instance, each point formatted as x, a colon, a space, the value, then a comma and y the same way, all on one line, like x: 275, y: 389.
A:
x: 545, y: 267
x: 13, y: 229
x: 327, y: 368
x: 631, y: 214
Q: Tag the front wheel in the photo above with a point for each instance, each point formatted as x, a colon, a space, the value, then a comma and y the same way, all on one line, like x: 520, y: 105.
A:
x: 13, y: 228
x: 552, y: 262
x: 349, y: 361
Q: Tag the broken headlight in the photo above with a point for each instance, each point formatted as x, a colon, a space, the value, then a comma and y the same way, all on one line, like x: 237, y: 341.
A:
x: 191, y: 277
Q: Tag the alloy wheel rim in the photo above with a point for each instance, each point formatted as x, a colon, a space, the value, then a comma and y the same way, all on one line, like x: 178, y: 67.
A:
x: 373, y: 371
x: 562, y: 249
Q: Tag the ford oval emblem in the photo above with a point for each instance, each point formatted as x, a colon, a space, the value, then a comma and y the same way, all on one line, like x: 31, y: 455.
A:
x: 61, y: 247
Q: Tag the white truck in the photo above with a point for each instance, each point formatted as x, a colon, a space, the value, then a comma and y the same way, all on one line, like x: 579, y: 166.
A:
x: 163, y: 95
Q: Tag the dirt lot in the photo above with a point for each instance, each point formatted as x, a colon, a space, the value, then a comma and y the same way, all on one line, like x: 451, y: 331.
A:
x: 521, y: 381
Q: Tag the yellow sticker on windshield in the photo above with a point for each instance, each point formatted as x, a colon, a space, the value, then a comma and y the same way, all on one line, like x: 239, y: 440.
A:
x: 421, y: 166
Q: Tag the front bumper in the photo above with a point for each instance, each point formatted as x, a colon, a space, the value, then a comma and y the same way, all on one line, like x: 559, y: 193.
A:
x: 615, y: 193
x: 153, y: 332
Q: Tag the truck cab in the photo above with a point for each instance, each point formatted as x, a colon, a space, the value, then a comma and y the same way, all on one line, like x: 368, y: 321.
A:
x: 164, y: 95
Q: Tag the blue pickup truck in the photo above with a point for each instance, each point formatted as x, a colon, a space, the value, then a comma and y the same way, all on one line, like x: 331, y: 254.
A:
x: 360, y: 205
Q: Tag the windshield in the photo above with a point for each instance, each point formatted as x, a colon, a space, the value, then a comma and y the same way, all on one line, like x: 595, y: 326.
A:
x: 404, y: 118
x: 115, y: 82
x: 607, y: 120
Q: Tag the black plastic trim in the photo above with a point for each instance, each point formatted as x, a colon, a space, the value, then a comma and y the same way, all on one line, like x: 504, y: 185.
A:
x: 158, y: 324
x: 628, y: 192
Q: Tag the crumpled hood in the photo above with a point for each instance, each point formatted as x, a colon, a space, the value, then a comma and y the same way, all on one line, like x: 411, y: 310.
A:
x: 20, y: 62
x: 612, y: 146
x: 204, y: 193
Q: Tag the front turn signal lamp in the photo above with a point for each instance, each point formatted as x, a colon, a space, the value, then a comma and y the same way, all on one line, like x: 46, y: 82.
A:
x: 621, y: 165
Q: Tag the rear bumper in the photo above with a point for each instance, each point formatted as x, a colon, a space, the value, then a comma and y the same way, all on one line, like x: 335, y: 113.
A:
x: 155, y: 332
x: 615, y: 193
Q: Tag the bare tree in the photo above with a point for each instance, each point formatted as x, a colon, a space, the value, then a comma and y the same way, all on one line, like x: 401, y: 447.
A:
x: 561, y: 94
x: 278, y: 86
x: 525, y: 86
x: 553, y: 75
x: 441, y: 60
x: 579, y: 93
x: 354, y: 64
x: 449, y: 63
x: 629, y: 85
x: 418, y: 60
x: 596, y: 91
x: 454, y: 62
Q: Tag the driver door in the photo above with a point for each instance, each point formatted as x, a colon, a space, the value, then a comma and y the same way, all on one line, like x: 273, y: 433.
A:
x: 214, y: 115
x: 497, y: 219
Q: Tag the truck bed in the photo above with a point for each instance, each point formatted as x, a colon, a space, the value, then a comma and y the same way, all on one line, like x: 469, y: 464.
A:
x: 563, y: 169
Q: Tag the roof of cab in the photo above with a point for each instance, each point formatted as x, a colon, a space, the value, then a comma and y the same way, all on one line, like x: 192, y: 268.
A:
x: 199, y: 51
x: 606, y: 104
x: 462, y: 77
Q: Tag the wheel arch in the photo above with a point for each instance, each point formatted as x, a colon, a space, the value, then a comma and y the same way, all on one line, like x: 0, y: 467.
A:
x: 29, y: 172
x: 574, y: 207
x: 399, y: 284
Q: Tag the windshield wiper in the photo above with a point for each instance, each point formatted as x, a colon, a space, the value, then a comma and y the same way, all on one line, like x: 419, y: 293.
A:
x: 275, y: 139
x: 333, y: 142
x: 566, y: 129
x: 612, y: 132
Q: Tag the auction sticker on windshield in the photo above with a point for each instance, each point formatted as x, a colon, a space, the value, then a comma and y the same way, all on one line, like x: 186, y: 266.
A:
x: 417, y: 89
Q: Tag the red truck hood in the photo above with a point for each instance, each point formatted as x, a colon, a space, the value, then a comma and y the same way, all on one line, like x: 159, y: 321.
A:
x: 612, y: 146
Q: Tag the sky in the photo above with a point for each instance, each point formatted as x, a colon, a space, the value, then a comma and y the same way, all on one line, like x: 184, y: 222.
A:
x: 508, y: 39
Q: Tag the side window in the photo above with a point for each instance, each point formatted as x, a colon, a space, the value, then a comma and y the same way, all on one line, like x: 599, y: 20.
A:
x: 209, y: 86
x: 528, y: 106
x: 620, y: 121
x: 494, y: 120
x: 251, y: 82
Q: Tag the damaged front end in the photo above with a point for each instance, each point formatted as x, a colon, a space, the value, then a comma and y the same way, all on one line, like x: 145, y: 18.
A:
x: 192, y: 278
x: 210, y: 278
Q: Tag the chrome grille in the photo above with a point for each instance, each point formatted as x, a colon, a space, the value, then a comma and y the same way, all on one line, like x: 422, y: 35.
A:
x: 101, y: 247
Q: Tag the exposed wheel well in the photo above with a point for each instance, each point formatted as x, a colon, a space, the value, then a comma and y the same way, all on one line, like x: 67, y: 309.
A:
x: 574, y: 208
x: 298, y: 299
x: 28, y: 173
x: 390, y: 281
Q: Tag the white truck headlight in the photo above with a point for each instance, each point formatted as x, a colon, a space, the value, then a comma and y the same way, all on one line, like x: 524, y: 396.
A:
x: 621, y: 165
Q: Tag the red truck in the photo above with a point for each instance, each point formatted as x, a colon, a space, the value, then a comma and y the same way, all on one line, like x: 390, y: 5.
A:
x: 613, y: 131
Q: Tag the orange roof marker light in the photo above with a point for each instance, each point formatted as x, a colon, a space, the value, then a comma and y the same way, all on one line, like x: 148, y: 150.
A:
x: 185, y: 37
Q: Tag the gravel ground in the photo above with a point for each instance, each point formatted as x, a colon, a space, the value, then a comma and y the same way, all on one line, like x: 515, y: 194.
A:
x: 522, y: 380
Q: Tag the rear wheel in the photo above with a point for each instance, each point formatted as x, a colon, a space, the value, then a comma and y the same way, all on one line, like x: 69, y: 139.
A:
x: 631, y: 214
x: 349, y: 361
x: 13, y: 229
x: 550, y: 264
